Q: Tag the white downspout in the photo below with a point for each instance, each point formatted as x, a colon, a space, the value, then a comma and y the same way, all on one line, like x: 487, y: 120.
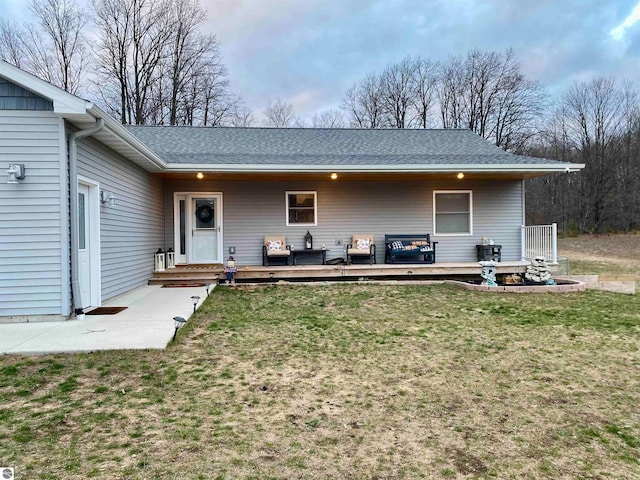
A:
x: 73, y: 207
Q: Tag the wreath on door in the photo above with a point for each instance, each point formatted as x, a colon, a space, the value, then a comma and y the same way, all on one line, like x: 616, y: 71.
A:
x: 204, y: 213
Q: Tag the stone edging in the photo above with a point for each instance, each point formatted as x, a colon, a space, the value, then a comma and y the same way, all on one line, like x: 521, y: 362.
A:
x: 574, y: 286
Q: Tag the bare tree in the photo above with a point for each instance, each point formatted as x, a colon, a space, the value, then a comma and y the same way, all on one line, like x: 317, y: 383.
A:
x: 62, y: 23
x: 363, y: 103
x: 12, y: 48
x: 397, y: 85
x: 597, y: 123
x: 134, y: 35
x: 425, y: 79
x: 331, y: 118
x: 242, y: 117
x: 278, y: 114
x: 486, y: 93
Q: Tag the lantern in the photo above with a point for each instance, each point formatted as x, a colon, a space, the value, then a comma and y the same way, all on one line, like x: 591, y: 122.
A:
x: 159, y: 261
x: 171, y: 258
x: 308, y: 241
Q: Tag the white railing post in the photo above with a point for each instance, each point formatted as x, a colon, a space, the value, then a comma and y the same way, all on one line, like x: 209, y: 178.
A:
x: 523, y: 242
x: 554, y: 242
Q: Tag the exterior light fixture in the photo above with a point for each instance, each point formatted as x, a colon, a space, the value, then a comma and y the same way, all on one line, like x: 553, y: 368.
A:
x: 107, y: 198
x: 200, y: 175
x: 217, y: 278
x: 460, y: 176
x: 171, y: 258
x: 15, y: 172
x: 159, y: 261
x: 195, y: 299
x: 177, y: 323
x: 271, y: 274
x: 334, y: 176
x: 207, y: 285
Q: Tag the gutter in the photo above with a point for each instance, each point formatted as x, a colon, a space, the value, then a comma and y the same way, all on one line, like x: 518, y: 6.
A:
x: 73, y: 208
x: 291, y: 168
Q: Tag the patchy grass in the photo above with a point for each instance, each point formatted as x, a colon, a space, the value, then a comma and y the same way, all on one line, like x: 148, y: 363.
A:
x: 606, y: 254
x: 344, y: 381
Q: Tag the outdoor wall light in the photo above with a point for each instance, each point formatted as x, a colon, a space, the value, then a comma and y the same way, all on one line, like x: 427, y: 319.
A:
x: 107, y: 198
x: 334, y: 176
x: 195, y: 300
x: 460, y: 176
x: 177, y: 323
x: 15, y: 172
x: 200, y: 175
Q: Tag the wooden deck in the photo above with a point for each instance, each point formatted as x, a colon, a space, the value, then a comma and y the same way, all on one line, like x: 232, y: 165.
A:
x: 200, y: 274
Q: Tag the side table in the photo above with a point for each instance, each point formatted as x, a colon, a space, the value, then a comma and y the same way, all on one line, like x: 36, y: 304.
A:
x: 489, y: 252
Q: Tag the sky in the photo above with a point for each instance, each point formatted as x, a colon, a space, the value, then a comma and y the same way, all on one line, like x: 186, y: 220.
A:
x: 308, y: 52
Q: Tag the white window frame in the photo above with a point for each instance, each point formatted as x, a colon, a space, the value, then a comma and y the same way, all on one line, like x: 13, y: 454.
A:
x: 315, y: 207
x: 465, y: 234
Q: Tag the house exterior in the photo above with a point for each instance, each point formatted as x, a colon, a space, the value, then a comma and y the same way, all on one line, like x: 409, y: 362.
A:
x: 97, y: 199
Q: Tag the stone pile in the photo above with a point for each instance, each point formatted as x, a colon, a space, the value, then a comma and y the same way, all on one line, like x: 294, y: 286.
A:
x: 538, y: 272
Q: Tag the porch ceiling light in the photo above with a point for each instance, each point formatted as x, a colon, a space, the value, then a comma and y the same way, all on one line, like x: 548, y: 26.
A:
x: 460, y: 176
x: 334, y: 176
x: 200, y: 175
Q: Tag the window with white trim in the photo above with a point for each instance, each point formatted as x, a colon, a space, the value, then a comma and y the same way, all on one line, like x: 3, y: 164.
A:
x: 302, y: 208
x: 452, y: 212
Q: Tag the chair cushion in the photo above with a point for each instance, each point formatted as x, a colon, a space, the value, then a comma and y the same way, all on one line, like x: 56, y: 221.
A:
x: 278, y: 253
x: 363, y: 244
x: 397, y: 245
x: 358, y: 251
x: 274, y: 245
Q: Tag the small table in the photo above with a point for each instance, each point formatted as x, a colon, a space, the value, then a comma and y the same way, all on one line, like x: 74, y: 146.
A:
x: 489, y: 252
x: 309, y: 252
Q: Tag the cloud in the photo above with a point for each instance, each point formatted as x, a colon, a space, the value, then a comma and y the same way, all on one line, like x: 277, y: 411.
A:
x: 618, y: 32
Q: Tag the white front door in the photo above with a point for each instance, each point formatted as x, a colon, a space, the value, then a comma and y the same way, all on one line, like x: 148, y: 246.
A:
x: 204, y: 228
x: 84, y: 245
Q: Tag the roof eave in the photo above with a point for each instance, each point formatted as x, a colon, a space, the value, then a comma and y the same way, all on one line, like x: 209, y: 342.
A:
x: 469, y: 168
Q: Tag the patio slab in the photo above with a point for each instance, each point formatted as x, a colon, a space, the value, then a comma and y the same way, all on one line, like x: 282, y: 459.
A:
x: 146, y: 323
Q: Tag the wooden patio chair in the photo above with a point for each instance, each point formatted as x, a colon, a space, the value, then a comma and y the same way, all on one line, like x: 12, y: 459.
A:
x: 362, y: 246
x: 275, y: 248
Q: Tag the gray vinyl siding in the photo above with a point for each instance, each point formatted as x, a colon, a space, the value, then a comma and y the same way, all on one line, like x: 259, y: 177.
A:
x: 32, y: 228
x: 253, y: 209
x: 133, y: 229
x: 14, y: 97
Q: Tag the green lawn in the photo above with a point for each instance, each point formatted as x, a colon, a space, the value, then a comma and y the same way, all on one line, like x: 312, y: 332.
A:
x: 344, y: 381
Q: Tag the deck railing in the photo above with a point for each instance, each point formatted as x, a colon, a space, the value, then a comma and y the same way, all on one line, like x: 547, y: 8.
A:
x: 540, y: 240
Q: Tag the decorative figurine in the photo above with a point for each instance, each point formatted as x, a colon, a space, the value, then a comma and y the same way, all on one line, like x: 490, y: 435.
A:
x: 230, y: 269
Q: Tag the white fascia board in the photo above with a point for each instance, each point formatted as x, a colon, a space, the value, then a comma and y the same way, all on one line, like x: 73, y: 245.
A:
x: 63, y: 102
x: 260, y: 168
x: 120, y: 132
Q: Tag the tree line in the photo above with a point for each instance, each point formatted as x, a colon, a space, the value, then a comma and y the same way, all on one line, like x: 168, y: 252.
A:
x: 150, y: 63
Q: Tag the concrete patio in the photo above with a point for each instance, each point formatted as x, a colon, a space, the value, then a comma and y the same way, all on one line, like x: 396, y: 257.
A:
x: 146, y: 323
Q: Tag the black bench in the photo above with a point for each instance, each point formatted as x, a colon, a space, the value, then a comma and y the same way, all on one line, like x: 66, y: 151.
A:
x: 409, y: 249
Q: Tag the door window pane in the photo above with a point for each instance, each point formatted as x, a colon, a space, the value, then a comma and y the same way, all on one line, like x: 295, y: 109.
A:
x: 183, y: 228
x: 82, y: 226
x: 205, y: 213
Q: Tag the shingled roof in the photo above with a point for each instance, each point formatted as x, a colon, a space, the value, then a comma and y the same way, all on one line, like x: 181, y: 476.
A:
x: 309, y: 147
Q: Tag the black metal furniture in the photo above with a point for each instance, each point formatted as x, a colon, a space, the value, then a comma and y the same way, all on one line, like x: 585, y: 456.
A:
x: 489, y: 253
x: 309, y: 252
x: 405, y: 248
